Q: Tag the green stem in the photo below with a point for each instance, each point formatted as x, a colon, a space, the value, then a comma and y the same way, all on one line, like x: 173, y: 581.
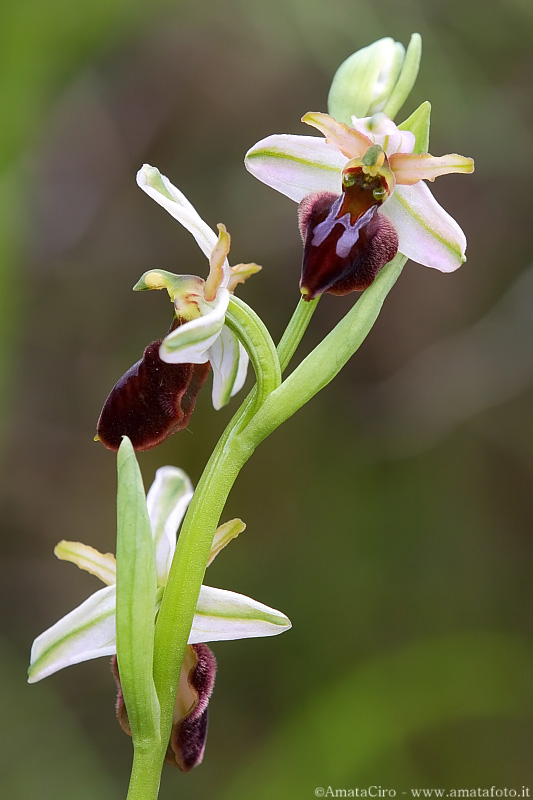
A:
x: 145, y: 775
x: 295, y: 330
x: 176, y: 614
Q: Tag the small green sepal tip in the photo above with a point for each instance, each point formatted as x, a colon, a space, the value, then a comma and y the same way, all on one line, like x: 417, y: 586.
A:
x: 419, y: 124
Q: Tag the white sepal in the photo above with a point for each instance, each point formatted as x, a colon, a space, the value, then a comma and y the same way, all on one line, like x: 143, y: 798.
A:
x: 242, y: 370
x: 86, y: 632
x: 222, y: 615
x: 296, y: 165
x: 160, y: 189
x: 427, y: 234
x: 167, y: 501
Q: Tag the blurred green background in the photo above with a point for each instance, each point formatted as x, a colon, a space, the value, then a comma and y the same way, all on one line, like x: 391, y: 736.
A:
x: 391, y: 518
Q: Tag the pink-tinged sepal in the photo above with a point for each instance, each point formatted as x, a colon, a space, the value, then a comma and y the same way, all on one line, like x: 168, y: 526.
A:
x: 341, y: 256
x: 151, y: 401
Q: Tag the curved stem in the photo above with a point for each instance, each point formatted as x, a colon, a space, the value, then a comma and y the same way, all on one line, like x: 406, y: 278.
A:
x: 285, y: 350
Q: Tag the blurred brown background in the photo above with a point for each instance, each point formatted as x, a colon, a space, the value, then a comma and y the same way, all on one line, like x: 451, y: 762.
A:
x: 391, y: 519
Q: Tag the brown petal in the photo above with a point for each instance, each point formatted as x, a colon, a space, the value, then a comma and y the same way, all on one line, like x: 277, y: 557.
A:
x: 189, y: 733
x: 189, y: 730
x: 151, y: 401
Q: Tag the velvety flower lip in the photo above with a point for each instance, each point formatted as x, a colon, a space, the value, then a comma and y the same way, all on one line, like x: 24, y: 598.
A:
x: 190, y: 720
x: 298, y: 166
x: 150, y: 402
x: 200, y: 305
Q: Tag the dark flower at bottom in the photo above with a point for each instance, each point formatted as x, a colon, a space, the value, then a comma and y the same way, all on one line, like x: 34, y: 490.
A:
x: 151, y: 401
x: 189, y: 728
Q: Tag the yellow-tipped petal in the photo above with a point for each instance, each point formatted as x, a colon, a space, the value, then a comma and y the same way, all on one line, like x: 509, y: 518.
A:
x: 217, y: 259
x: 240, y: 273
x: 409, y: 168
x: 103, y: 565
x: 223, y: 536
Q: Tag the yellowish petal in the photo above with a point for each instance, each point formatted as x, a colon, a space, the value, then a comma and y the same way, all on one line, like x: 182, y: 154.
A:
x: 240, y: 273
x: 352, y: 143
x: 409, y: 168
x: 103, y: 565
x: 217, y: 260
x: 223, y: 536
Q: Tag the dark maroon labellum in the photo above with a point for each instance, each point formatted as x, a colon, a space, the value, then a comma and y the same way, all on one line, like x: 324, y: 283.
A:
x: 342, y: 255
x: 187, y: 740
x: 151, y: 401
x: 186, y: 746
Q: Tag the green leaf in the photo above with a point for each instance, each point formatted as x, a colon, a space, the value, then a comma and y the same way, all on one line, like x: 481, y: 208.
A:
x: 136, y: 600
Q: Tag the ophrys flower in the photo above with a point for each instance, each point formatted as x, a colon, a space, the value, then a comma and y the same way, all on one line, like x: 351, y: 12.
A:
x: 89, y: 631
x: 362, y: 197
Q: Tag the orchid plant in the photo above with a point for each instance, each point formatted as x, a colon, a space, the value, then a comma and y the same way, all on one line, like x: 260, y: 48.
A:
x: 364, y: 208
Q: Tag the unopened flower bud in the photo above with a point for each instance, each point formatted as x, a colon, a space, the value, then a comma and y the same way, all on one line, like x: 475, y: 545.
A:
x: 377, y: 78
